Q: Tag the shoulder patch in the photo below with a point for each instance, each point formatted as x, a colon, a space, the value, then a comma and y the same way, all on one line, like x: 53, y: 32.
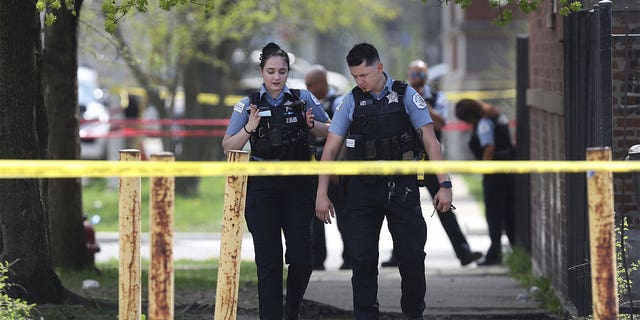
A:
x: 484, y: 127
x: 239, y: 107
x: 313, y: 97
x: 339, y: 105
x: 420, y: 103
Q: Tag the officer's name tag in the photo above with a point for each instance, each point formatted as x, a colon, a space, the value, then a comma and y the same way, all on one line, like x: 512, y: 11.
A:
x: 350, y: 143
x: 265, y: 113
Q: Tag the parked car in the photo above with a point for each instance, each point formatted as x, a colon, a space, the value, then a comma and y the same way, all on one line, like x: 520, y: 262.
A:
x: 94, y: 116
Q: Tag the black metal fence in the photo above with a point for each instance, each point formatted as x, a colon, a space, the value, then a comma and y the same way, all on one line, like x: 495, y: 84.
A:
x: 523, y: 189
x: 588, y: 123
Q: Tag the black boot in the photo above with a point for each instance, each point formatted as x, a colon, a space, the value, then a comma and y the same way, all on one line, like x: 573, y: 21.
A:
x: 493, y: 257
x: 469, y: 257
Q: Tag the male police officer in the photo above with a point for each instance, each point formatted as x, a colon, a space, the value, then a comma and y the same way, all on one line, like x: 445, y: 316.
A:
x: 417, y: 75
x: 316, y: 81
x: 382, y: 119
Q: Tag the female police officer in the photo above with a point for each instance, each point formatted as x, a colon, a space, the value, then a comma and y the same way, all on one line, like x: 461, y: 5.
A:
x: 491, y: 140
x: 276, y: 121
x: 382, y: 119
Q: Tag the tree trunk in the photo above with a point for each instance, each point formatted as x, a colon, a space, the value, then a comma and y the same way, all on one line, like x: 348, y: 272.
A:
x: 219, y: 81
x: 22, y: 216
x: 66, y: 232
x: 199, y: 77
x: 188, y: 186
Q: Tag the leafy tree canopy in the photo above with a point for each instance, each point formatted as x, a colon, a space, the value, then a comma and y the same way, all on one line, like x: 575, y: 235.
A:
x: 505, y: 13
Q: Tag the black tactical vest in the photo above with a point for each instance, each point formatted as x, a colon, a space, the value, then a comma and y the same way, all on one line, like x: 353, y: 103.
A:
x: 502, y: 138
x: 282, y: 133
x: 381, y: 129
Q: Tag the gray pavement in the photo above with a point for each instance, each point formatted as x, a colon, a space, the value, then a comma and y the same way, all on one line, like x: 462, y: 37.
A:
x: 452, y: 291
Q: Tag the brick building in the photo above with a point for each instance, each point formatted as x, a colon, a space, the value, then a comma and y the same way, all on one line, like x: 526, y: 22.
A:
x: 554, y: 252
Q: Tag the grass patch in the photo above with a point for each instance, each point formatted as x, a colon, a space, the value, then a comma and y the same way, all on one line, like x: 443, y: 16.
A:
x: 195, y: 282
x: 188, y: 274
x: 519, y: 264
x: 474, y: 185
x: 202, y: 213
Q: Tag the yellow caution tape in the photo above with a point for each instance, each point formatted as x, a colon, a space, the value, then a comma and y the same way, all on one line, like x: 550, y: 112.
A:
x: 214, y: 99
x: 78, y: 168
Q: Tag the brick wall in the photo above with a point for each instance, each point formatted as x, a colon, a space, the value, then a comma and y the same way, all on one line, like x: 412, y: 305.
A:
x: 625, y: 65
x: 544, y: 98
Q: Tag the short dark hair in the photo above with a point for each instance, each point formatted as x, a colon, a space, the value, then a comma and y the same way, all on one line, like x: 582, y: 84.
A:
x: 272, y: 50
x: 362, y: 52
x: 469, y: 110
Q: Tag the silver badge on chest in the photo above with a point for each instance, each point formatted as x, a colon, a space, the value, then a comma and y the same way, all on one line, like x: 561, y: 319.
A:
x: 392, y: 97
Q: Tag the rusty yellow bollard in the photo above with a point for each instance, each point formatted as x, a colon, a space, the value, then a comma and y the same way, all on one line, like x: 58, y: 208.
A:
x: 129, y: 282
x: 231, y: 242
x: 161, y: 211
x: 602, y: 238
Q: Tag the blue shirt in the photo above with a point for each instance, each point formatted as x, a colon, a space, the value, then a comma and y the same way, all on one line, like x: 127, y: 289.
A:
x: 414, y: 105
x: 240, y: 116
x: 486, y: 130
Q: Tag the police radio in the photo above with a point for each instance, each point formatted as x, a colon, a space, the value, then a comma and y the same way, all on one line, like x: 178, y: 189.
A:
x: 262, y: 111
x: 295, y: 108
x: 422, y: 155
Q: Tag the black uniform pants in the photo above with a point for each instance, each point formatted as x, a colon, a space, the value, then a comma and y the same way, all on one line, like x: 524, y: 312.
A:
x: 499, y: 205
x: 278, y: 205
x: 449, y: 221
x: 367, y: 206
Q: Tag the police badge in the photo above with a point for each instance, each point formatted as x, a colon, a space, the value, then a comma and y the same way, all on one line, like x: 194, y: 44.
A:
x: 392, y: 97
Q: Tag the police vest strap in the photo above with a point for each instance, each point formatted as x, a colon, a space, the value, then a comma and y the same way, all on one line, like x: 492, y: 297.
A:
x: 400, y: 87
x: 254, y: 97
x: 295, y: 93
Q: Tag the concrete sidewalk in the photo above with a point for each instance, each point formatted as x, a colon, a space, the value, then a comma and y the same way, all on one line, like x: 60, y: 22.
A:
x: 453, y: 292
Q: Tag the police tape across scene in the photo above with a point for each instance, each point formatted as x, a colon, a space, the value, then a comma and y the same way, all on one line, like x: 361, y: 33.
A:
x: 80, y: 168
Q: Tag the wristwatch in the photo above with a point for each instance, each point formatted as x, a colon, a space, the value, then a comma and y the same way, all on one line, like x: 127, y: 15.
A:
x: 446, y: 184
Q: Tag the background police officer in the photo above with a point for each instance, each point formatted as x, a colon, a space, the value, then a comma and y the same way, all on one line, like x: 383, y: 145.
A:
x: 491, y: 140
x: 276, y: 121
x: 316, y: 81
x: 382, y: 119
x: 417, y: 74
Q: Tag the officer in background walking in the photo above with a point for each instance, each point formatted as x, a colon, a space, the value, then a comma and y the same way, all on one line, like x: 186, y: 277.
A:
x: 276, y: 121
x: 417, y: 73
x: 316, y: 81
x: 491, y: 140
x: 382, y: 119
